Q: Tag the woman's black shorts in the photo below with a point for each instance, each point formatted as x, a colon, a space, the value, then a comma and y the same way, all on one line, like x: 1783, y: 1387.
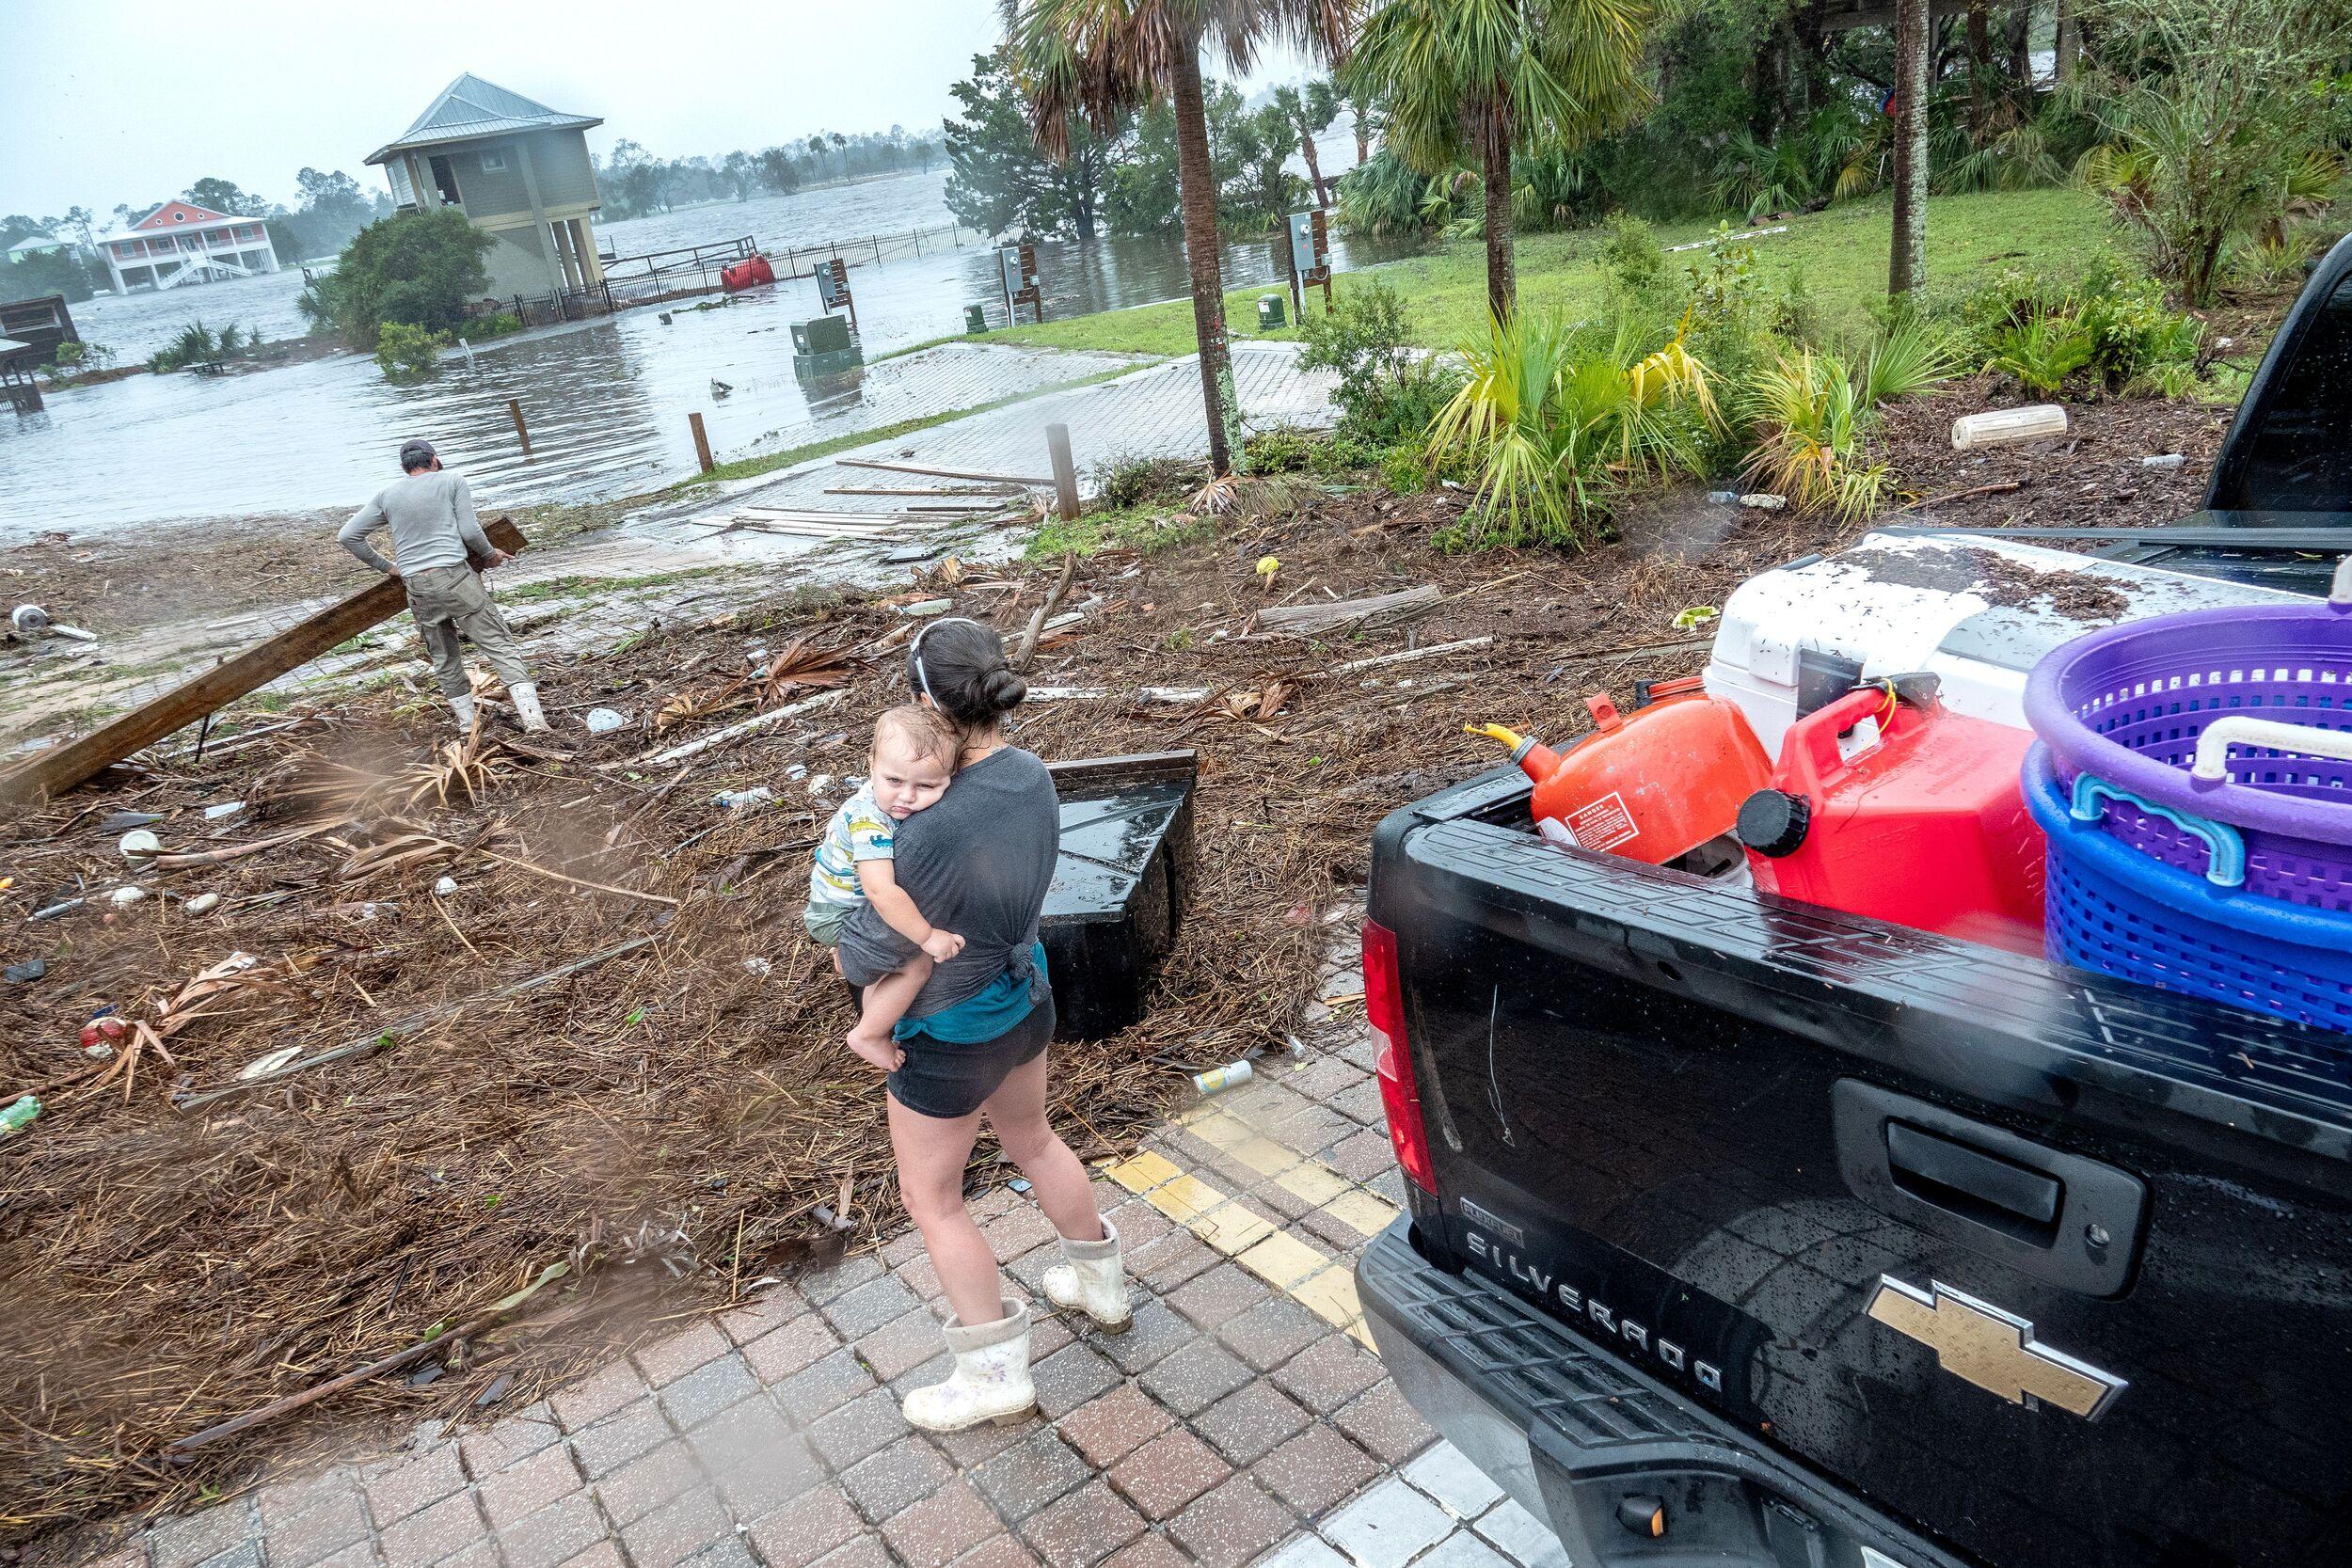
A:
x: 938, y: 1079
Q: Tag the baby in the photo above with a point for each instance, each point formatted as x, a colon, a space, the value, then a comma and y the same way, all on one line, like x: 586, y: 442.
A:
x: 913, y: 758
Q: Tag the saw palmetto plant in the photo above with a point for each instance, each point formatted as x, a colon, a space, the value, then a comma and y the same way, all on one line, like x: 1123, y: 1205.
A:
x: 1557, y: 421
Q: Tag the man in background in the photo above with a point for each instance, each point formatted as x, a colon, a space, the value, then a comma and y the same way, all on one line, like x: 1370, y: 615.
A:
x: 436, y: 540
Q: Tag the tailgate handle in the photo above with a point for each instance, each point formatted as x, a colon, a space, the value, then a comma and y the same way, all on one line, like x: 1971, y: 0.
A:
x: 1984, y: 1187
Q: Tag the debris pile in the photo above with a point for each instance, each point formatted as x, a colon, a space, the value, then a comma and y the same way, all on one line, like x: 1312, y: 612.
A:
x: 457, y: 1063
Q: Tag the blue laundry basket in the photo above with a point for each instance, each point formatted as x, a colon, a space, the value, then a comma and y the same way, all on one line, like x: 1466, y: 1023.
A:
x: 2115, y: 911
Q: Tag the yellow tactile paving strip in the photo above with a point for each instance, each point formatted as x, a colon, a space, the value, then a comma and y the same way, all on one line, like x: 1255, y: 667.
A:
x: 1290, y: 1263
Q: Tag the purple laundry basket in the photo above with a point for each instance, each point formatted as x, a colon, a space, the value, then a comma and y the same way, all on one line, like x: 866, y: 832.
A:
x: 2268, y: 805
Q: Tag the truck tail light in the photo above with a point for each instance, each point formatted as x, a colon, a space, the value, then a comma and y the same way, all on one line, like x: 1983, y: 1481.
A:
x: 1384, y: 1010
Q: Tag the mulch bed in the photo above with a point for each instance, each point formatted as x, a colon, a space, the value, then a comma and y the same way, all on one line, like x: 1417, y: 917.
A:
x: 2090, y: 478
x: 667, y: 1123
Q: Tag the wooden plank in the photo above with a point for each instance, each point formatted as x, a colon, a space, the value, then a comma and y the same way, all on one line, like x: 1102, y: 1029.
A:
x: 62, y: 767
x: 937, y: 473
x: 1302, y: 618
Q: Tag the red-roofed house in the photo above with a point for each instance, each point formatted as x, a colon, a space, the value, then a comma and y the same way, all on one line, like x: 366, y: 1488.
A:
x: 183, y: 243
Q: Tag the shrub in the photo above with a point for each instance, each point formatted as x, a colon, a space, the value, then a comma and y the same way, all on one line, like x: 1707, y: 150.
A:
x: 419, y: 269
x: 2224, y: 127
x: 1556, y: 423
x: 1808, y: 416
x: 497, y: 323
x: 1388, y: 390
x: 1123, y: 483
x: 1285, y: 450
x: 74, y: 359
x: 2115, y: 327
x: 1632, y: 257
x: 406, y: 353
x: 199, y: 344
x: 1405, y: 469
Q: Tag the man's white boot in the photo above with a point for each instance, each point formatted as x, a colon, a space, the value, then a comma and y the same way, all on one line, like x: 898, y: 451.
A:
x: 1092, y: 1279
x: 462, y: 708
x: 526, y: 700
x: 990, y: 1382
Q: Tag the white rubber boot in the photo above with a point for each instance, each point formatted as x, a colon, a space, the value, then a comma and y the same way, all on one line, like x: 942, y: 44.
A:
x: 990, y: 1382
x: 526, y: 700
x: 1092, y: 1280
x: 462, y: 708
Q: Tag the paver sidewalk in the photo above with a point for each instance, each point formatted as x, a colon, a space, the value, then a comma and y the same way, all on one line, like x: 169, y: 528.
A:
x: 1242, y: 1419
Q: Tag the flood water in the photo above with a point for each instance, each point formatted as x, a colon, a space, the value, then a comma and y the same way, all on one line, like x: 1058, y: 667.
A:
x: 607, y: 401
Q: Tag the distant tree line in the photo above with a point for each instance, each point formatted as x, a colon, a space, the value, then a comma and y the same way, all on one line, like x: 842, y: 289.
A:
x: 328, y: 209
x: 634, y: 183
x: 1123, y: 179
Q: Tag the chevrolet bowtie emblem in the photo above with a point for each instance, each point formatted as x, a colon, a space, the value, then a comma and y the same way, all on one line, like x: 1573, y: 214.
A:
x: 1994, y: 1350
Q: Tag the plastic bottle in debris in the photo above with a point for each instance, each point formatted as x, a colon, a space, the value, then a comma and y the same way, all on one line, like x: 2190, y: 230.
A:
x: 19, y: 1117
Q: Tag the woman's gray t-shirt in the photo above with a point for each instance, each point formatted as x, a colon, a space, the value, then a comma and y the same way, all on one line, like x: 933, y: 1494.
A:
x: 977, y: 863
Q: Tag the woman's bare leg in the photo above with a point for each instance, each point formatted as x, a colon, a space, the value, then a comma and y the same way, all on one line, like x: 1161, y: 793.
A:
x: 932, y: 1154
x: 1016, y: 1112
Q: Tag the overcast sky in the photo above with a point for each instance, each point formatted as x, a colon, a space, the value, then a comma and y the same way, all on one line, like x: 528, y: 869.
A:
x: 132, y: 102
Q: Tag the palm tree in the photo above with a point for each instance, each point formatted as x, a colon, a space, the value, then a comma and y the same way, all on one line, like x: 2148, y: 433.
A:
x: 1469, y: 81
x: 1310, y: 114
x: 1104, y: 58
x: 1906, y: 267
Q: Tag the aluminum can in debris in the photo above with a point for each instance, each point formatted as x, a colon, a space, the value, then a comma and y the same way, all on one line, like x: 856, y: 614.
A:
x: 1219, y: 1078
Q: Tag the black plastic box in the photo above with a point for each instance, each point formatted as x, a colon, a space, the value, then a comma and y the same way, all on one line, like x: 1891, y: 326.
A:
x: 1120, y: 887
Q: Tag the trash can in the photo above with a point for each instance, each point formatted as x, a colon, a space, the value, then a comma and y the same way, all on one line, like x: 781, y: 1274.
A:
x: 975, y: 318
x: 1269, y: 312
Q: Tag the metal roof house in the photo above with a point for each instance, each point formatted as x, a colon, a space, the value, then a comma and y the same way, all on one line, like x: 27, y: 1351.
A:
x: 36, y: 245
x: 518, y: 170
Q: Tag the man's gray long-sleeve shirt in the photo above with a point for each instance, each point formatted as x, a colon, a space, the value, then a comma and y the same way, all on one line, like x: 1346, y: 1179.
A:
x: 432, y: 519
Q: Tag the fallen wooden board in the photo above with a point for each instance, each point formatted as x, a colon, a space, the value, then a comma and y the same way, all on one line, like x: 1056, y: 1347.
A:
x: 1302, y: 618
x: 938, y: 473
x: 733, y: 733
x: 1436, y: 650
x: 62, y: 767
x: 1183, y: 694
x: 1000, y: 491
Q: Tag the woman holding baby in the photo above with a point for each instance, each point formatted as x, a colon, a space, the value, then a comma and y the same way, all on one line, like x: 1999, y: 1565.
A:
x: 929, y: 886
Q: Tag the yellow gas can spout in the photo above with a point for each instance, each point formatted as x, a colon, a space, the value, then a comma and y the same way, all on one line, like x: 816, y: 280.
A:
x: 1533, y: 755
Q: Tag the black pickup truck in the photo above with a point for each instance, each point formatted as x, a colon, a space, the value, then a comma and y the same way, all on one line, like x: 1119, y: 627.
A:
x: 1745, y: 1231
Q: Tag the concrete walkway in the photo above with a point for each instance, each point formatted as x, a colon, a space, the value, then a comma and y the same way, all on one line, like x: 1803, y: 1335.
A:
x: 1242, y: 1420
x: 1153, y: 413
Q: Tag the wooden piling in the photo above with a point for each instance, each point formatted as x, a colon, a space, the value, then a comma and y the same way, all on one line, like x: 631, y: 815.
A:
x: 702, y: 441
x: 1065, y: 471
x: 522, y: 434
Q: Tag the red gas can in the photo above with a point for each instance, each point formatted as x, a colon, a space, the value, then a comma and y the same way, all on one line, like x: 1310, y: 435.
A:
x: 1652, y: 786
x: 1925, y: 826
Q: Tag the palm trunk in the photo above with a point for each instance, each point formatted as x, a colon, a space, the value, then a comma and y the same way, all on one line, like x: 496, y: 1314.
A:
x: 1979, y: 61
x: 1314, y: 169
x: 1495, y: 159
x: 1907, y: 261
x: 1197, y: 180
x: 2020, y: 50
x: 1363, y: 138
x: 2068, y: 37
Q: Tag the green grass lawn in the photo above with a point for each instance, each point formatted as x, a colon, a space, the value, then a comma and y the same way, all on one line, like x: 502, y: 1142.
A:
x: 1841, y: 254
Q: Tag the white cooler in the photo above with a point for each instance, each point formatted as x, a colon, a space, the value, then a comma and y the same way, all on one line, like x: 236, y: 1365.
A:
x: 1795, y: 636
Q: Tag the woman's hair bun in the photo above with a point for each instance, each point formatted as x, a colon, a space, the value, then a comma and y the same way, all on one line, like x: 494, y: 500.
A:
x: 1003, y: 689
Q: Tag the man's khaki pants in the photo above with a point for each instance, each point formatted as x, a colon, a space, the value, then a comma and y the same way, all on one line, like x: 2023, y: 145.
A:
x: 447, y: 600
